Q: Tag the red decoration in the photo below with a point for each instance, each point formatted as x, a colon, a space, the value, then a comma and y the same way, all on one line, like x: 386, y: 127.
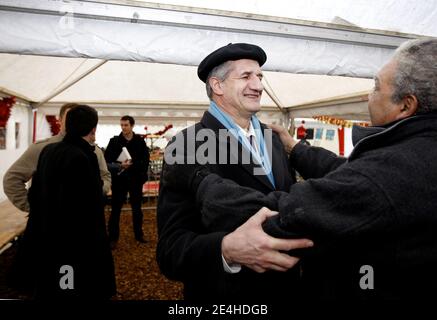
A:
x: 341, y: 141
x: 55, y: 125
x: 301, y: 131
x: 340, y: 122
x: 6, y: 105
x: 159, y: 133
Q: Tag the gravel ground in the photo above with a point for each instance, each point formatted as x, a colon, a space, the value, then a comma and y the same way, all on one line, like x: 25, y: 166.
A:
x: 137, y: 274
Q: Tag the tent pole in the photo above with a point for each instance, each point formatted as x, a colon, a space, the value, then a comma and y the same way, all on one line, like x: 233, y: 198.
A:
x: 34, y: 111
x: 272, y: 95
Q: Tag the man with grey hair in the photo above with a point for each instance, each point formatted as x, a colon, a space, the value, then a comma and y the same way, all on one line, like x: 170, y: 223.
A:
x: 191, y: 253
x: 373, y: 216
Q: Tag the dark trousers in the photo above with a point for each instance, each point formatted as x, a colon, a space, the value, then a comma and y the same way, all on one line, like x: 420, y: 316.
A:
x: 119, y: 193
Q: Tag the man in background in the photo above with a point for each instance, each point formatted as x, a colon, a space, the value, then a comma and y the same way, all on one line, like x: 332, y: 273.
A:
x: 128, y: 175
x: 22, y: 170
x: 64, y: 253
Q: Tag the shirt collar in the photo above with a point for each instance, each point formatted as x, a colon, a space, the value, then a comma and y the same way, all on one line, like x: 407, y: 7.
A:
x: 248, y: 133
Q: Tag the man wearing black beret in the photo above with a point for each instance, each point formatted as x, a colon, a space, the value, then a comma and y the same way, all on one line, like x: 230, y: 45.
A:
x: 371, y: 216
x: 188, y: 250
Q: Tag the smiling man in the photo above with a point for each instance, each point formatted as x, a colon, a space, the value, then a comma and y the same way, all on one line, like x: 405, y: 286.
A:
x: 372, y: 216
x: 191, y: 253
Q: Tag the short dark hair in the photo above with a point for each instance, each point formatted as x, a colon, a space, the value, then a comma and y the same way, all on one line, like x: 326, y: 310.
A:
x: 81, y: 119
x: 129, y: 118
x: 66, y: 107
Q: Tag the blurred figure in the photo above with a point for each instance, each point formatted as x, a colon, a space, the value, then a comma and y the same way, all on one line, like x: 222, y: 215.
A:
x: 301, y: 131
x: 304, y: 140
x: 127, y: 176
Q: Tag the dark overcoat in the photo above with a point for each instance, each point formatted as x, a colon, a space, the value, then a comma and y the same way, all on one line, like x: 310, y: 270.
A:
x: 373, y: 217
x: 190, y: 252
x: 136, y: 174
x: 66, y: 226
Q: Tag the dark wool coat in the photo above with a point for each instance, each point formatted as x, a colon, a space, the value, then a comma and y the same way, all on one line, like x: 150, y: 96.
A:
x: 66, y: 225
x: 189, y: 252
x: 376, y: 209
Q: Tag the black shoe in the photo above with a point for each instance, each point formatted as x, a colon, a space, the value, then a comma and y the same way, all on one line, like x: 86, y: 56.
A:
x: 140, y: 239
x: 113, y: 244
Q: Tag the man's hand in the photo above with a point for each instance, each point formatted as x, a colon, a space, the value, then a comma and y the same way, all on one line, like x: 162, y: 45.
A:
x: 126, y: 164
x: 249, y: 245
x: 286, y: 139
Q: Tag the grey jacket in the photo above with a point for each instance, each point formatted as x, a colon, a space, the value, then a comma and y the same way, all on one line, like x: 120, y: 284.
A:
x: 22, y: 170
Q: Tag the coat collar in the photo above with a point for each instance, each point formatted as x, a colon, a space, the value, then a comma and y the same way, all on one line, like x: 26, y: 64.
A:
x: 80, y: 142
x: 374, y: 137
x: 210, y: 122
x: 121, y: 136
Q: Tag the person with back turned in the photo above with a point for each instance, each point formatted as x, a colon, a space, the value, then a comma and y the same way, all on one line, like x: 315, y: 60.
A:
x: 64, y: 253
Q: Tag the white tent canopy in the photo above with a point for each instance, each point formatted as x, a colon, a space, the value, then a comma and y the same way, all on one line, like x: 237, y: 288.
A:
x: 404, y: 16
x: 119, y: 82
x: 147, y: 32
x: 154, y: 49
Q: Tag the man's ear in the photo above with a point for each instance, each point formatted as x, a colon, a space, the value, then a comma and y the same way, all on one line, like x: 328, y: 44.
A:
x: 216, y: 85
x: 409, y: 106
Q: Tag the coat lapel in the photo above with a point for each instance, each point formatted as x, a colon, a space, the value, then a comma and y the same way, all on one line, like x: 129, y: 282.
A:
x: 210, y: 122
x: 277, y: 163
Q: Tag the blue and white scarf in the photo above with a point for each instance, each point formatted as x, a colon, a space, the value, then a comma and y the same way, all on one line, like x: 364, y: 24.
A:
x: 262, y: 158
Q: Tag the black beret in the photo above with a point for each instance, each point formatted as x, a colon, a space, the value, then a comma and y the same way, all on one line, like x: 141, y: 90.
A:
x: 233, y: 51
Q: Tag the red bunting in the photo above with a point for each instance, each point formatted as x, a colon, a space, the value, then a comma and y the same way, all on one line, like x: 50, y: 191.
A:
x: 6, y: 105
x: 55, y: 125
x: 340, y: 122
x: 159, y: 133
